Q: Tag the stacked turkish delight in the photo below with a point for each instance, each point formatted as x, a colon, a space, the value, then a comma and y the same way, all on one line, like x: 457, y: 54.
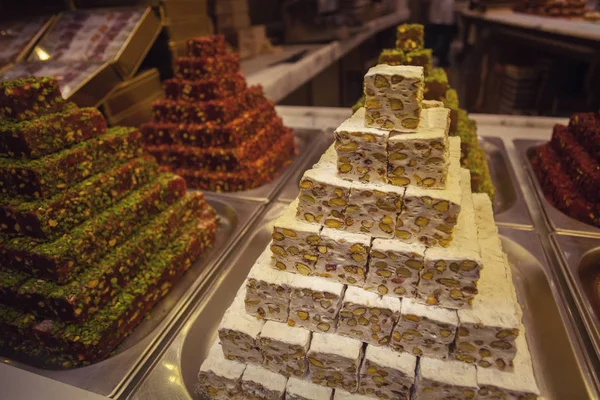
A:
x: 92, y: 234
x: 388, y: 291
x: 212, y: 129
x: 567, y: 168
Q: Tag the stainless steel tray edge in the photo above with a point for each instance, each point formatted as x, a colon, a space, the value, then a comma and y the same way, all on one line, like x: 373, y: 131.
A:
x: 268, y: 192
x: 555, y: 219
x: 517, y: 215
x: 179, y: 312
x: 569, y: 257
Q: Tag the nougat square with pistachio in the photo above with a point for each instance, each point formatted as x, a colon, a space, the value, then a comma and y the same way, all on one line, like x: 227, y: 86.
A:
x: 334, y: 360
x: 343, y: 256
x: 361, y: 151
x: 445, y: 379
x: 386, y: 374
x: 220, y: 378
x: 372, y: 209
x: 294, y: 244
x: 421, y: 158
x: 394, y: 267
x: 410, y: 37
x: 315, y: 303
x: 393, y: 96
x: 284, y: 348
x: 367, y: 316
x: 323, y: 196
x: 424, y: 330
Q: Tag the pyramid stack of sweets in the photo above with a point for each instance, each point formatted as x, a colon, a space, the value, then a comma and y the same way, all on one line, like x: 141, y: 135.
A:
x: 384, y: 279
x: 410, y: 51
x: 567, y: 167
x: 92, y: 234
x: 212, y: 129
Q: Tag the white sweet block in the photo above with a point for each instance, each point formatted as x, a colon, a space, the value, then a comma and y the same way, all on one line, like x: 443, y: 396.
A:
x: 487, y: 331
x: 431, y: 104
x: 334, y: 361
x: 372, y: 209
x: 300, y: 389
x: 284, y: 348
x: 328, y: 159
x: 421, y: 158
x: 424, y: 330
x: 517, y: 385
x: 220, y: 378
x: 393, y: 96
x: 323, y: 196
x: 394, y: 267
x: 387, y: 375
x: 239, y: 333
x: 315, y: 303
x: 367, y: 316
x: 268, y: 289
x: 343, y: 395
x: 450, y: 276
x: 361, y: 151
x: 294, y: 245
x: 438, y: 379
x: 343, y: 256
x: 429, y: 215
x: 260, y: 383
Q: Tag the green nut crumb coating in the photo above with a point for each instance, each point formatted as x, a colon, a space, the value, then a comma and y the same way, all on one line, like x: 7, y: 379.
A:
x: 360, y: 103
x: 421, y: 58
x: 410, y: 37
x: 392, y: 57
x: 60, y: 259
x: 436, y: 85
x: 46, y: 219
x: 53, y: 173
x: 28, y: 98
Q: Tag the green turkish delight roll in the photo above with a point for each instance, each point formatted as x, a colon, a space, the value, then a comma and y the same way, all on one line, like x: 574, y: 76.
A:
x: 359, y: 103
x: 53, y: 173
x: 48, y: 218
x: 421, y: 58
x: 392, y: 57
x: 28, y: 98
x: 451, y: 102
x: 436, y: 85
x: 10, y: 281
x: 410, y: 37
x: 15, y: 325
x: 61, y: 259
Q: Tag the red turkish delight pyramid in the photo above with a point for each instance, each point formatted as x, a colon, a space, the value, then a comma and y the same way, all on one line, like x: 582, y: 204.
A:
x: 212, y: 129
x: 92, y: 234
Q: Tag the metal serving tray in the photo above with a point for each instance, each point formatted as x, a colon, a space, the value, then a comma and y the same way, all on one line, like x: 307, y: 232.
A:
x: 509, y: 203
x: 556, y: 219
x: 306, y: 141
x: 107, y: 377
x: 579, y: 258
x: 557, y: 370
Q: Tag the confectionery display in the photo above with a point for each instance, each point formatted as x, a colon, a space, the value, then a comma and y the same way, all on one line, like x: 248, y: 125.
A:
x: 374, y: 286
x: 567, y: 168
x: 410, y: 51
x: 17, y: 36
x: 92, y: 236
x: 552, y: 8
x: 212, y: 129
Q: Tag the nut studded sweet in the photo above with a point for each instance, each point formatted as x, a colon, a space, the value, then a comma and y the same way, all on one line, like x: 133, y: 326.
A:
x: 387, y: 375
x: 300, y: 389
x: 362, y: 152
x: 424, y: 330
x: 284, y: 348
x: 333, y: 361
x: 429, y: 215
x: 239, y: 334
x: 295, y: 242
x: 393, y: 96
x: 372, y: 209
x: 343, y: 395
x: 394, y: 267
x: 315, y: 303
x: 323, y: 197
x: 410, y: 37
x: 343, y: 256
x: 219, y: 378
x: 421, y: 158
x: 487, y: 332
x: 268, y: 290
x: 519, y: 384
x: 450, y: 276
x: 367, y: 316
x: 438, y: 379
x: 260, y: 383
